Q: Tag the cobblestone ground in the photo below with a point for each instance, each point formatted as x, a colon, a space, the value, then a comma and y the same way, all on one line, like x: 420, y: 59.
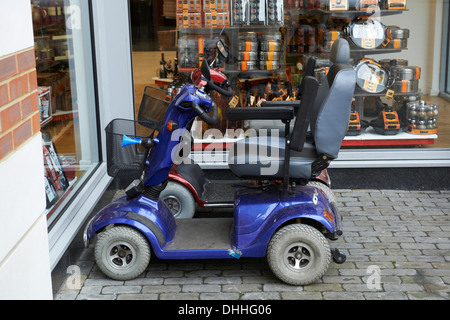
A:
x: 397, y: 245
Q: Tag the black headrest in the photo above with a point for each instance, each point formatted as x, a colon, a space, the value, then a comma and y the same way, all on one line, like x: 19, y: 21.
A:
x: 340, y: 52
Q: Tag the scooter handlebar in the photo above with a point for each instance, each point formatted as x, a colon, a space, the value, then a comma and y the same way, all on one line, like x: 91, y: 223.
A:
x: 209, y: 119
x: 226, y: 92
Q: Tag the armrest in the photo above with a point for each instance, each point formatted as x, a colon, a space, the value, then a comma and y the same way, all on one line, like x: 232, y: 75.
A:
x: 295, y: 104
x: 267, y: 113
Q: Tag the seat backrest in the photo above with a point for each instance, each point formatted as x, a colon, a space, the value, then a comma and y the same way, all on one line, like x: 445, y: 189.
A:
x: 330, y: 122
x: 340, y: 54
x: 303, y: 115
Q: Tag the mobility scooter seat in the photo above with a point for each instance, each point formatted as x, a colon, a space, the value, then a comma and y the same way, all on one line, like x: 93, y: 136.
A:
x: 250, y: 165
x: 330, y: 114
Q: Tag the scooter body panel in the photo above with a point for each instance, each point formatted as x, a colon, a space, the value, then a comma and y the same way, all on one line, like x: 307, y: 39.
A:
x: 256, y: 222
x: 150, y: 217
x: 258, y: 214
x: 192, y: 177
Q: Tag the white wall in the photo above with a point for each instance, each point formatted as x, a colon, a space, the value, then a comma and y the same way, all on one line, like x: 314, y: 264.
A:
x: 15, y: 23
x: 24, y: 253
x: 424, y: 20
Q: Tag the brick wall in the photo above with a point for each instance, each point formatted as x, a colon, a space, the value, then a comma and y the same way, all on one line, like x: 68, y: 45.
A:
x: 19, y: 112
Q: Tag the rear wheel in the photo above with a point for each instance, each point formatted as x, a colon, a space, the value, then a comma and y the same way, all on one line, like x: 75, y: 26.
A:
x: 325, y: 189
x: 298, y: 254
x: 122, y: 253
x: 179, y: 200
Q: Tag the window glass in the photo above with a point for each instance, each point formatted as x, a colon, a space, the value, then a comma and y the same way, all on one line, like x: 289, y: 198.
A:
x: 66, y: 97
x: 396, y: 103
x: 446, y: 51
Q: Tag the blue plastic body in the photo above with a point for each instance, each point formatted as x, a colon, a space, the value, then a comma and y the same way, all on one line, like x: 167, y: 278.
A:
x: 259, y: 212
x: 159, y: 160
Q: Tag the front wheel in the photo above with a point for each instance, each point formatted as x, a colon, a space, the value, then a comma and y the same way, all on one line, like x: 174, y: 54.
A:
x: 122, y: 253
x: 298, y: 254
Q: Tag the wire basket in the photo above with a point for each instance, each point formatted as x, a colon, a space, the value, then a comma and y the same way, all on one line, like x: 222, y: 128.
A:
x: 127, y: 162
x: 153, y: 106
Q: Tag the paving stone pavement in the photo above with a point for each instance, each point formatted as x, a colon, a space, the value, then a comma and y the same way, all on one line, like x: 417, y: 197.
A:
x: 397, y: 245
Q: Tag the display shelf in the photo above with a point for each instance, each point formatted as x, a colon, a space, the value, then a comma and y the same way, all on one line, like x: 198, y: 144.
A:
x: 223, y: 30
x: 65, y: 115
x: 46, y: 121
x: 360, y: 93
x: 363, y: 52
x: 371, y: 138
x: 162, y: 81
x: 254, y: 74
x: 344, y: 13
x: 354, y: 50
x: 368, y: 12
x: 368, y: 138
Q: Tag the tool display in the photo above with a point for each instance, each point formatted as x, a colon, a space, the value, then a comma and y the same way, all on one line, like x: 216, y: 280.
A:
x: 257, y: 12
x: 356, y: 125
x: 366, y: 32
x: 395, y: 4
x: 387, y: 123
x: 248, y: 51
x: 270, y: 51
x: 406, y: 78
x: 371, y: 76
x: 422, y: 118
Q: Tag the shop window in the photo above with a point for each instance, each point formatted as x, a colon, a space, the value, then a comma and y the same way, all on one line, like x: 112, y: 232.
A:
x: 397, y: 108
x: 66, y: 97
x: 445, y: 85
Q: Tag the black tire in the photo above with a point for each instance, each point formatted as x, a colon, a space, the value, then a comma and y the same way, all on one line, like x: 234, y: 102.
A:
x: 325, y: 189
x: 122, y: 253
x: 179, y: 199
x: 298, y: 254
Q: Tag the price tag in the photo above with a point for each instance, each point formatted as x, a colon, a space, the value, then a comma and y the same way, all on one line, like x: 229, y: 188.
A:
x: 370, y: 86
x: 338, y: 5
x: 390, y: 94
x: 234, y: 102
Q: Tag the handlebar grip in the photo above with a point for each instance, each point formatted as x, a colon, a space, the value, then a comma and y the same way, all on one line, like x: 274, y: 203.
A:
x: 227, y: 93
x: 206, y: 117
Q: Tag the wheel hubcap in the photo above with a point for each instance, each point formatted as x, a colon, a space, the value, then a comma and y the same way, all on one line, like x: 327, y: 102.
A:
x: 174, y: 205
x: 299, y: 256
x: 121, y: 255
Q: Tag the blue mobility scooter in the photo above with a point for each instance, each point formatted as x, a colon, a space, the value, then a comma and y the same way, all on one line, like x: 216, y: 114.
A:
x: 289, y: 224
x: 189, y: 188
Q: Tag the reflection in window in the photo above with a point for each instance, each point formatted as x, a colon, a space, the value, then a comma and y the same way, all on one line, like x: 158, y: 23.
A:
x: 65, y: 89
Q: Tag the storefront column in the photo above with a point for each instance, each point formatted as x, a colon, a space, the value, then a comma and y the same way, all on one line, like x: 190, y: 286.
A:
x: 113, y: 61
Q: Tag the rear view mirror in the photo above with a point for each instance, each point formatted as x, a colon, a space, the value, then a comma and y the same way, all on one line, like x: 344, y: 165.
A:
x: 221, y: 49
x: 205, y: 70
